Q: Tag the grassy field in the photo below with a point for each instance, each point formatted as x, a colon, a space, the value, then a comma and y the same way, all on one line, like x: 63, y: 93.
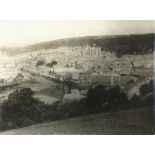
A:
x: 38, y: 86
x: 133, y: 121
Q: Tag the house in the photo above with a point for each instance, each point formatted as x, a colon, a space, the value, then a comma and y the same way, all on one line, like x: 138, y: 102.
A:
x: 141, y: 71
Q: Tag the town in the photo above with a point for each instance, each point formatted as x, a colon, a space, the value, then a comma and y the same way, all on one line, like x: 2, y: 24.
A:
x: 75, y: 70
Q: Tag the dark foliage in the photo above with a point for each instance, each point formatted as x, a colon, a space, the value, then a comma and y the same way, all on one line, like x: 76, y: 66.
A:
x: 21, y: 109
x: 121, y: 44
x: 117, y: 99
x: 50, y: 65
x: 134, y: 101
x: 96, y: 97
x: 100, y: 98
x: 40, y: 63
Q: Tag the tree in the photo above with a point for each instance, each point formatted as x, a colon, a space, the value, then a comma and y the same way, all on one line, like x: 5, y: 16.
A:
x: 52, y: 64
x: 20, y: 96
x: 96, y: 96
x: 116, y: 98
x: 134, y: 101
x: 40, y: 63
x: 22, y: 109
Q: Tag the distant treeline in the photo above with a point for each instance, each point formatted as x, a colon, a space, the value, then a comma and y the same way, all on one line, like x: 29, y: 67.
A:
x: 120, y: 44
x: 131, y: 44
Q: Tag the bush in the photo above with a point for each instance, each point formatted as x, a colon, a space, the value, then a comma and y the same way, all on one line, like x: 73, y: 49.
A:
x: 74, y: 108
x: 50, y: 65
x: 96, y: 97
x: 116, y: 98
x: 40, y: 63
x: 134, y: 101
x: 21, y: 109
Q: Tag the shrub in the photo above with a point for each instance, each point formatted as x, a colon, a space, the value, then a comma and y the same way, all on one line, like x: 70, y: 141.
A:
x: 74, y: 108
x: 40, y: 63
x: 134, y: 101
x: 116, y: 98
x: 96, y: 97
x: 22, y: 109
x: 50, y: 65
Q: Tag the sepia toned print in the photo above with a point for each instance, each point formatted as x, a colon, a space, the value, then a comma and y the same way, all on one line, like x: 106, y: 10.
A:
x: 76, y: 77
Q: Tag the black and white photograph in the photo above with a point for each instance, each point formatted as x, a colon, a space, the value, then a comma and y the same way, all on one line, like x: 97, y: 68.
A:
x: 82, y: 77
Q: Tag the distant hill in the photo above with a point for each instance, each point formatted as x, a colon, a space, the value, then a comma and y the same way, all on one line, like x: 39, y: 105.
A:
x: 120, y: 44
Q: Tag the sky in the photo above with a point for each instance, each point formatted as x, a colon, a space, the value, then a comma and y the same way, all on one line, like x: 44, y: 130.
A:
x: 19, y: 33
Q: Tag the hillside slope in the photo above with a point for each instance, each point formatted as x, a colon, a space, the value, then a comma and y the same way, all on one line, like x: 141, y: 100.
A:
x: 119, y: 44
x: 132, y: 121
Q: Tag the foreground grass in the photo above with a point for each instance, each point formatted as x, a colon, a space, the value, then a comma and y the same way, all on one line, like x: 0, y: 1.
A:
x: 132, y: 121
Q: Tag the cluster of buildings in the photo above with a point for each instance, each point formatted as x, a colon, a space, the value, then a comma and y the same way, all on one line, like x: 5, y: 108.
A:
x: 75, y: 61
x: 85, y: 65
